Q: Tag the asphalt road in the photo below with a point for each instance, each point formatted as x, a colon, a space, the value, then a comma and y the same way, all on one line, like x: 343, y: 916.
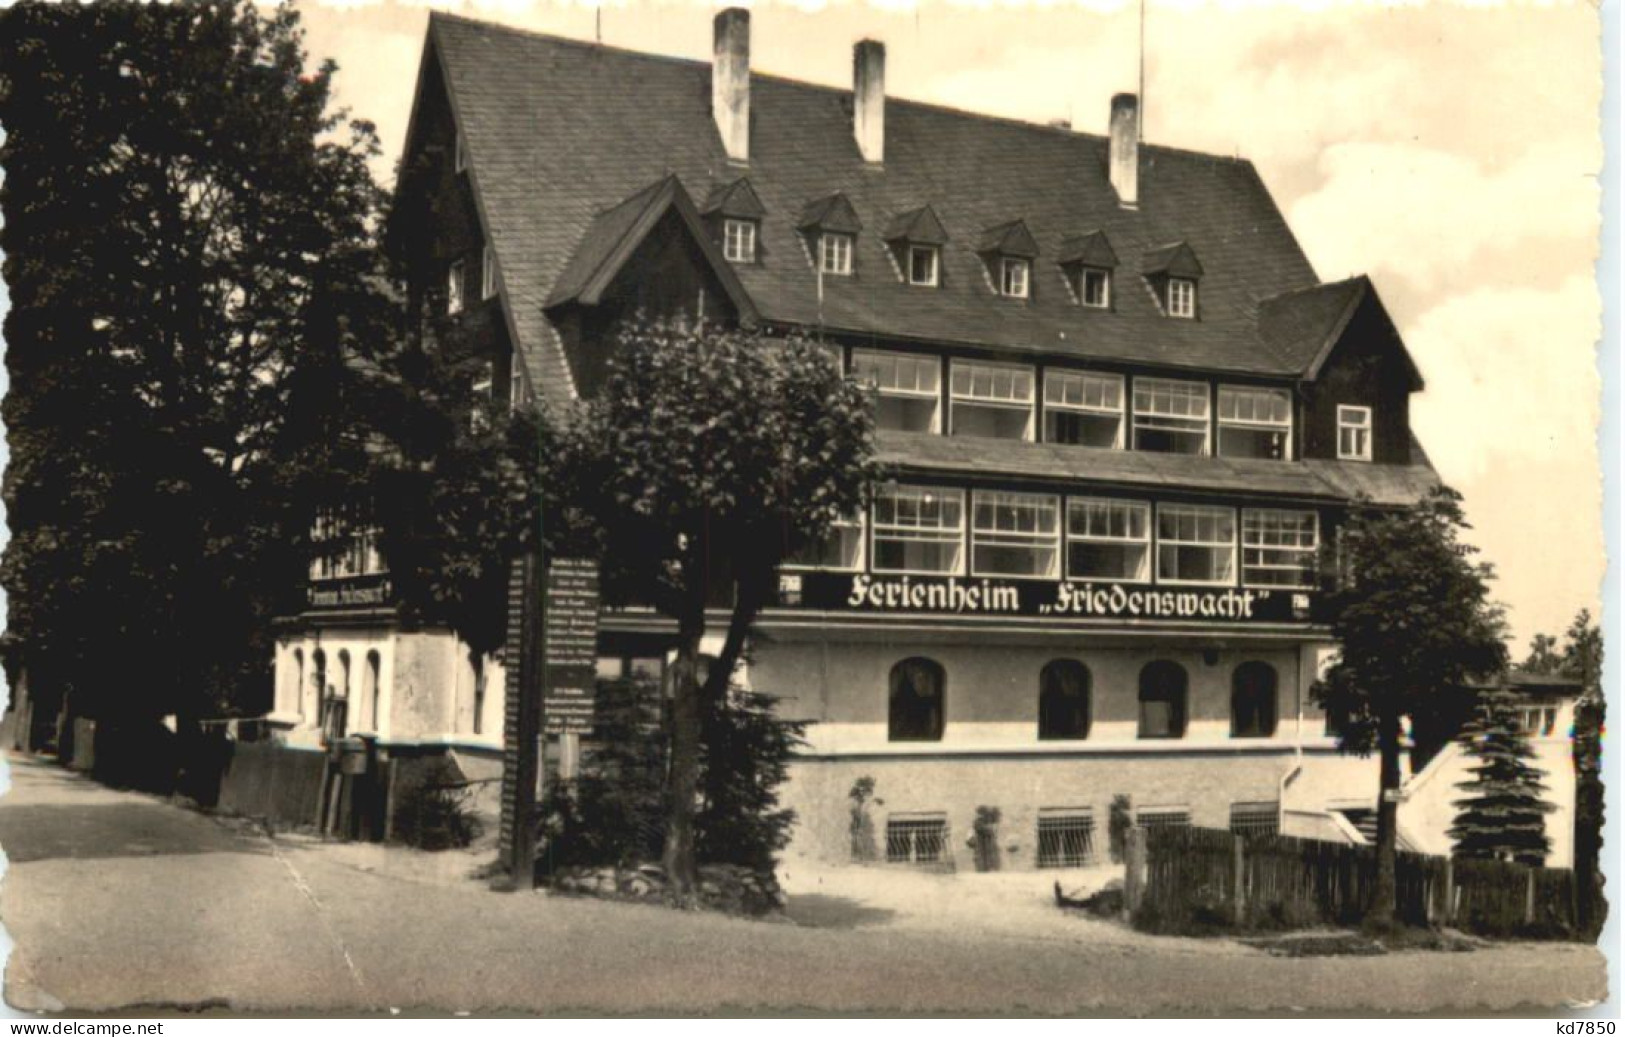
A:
x: 118, y: 900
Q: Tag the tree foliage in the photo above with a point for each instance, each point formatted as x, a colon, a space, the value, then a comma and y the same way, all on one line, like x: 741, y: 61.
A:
x: 1414, y: 626
x: 709, y: 456
x: 189, y: 239
x: 1503, y: 815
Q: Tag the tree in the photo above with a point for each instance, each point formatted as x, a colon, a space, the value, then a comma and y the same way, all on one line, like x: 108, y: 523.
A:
x: 1503, y: 816
x: 1414, y: 623
x: 1582, y: 659
x: 709, y: 456
x: 1543, y: 656
x: 189, y: 239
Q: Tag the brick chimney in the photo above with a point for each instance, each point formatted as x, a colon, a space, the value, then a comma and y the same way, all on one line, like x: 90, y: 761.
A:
x: 1124, y: 160
x: 730, y: 82
x: 869, y: 99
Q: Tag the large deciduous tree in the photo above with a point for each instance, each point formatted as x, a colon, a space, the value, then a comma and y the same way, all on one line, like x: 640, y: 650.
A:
x: 1414, y: 625
x: 706, y: 458
x: 189, y: 235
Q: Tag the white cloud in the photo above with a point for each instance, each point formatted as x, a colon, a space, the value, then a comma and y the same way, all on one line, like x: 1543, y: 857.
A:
x: 1511, y: 378
x: 1422, y: 215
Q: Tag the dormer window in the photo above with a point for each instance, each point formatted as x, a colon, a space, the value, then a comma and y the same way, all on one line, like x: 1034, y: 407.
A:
x: 916, y: 238
x: 922, y: 265
x: 739, y: 240
x: 1181, y: 297
x: 1094, y: 288
x: 454, y: 288
x: 1015, y: 277
x: 1354, y: 433
x: 835, y: 254
x: 1172, y: 272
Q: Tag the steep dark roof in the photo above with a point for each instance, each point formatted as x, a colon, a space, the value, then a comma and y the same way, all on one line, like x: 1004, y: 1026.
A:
x: 559, y: 131
x: 1088, y: 249
x: 1303, y: 327
x: 735, y: 199
x: 1009, y: 239
x: 917, y: 226
x: 834, y: 213
x: 1176, y: 260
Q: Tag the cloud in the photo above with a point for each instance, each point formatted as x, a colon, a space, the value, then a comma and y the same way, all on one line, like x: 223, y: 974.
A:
x: 1424, y: 215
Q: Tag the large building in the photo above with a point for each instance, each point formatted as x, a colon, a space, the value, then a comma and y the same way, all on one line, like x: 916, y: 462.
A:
x: 1122, y: 412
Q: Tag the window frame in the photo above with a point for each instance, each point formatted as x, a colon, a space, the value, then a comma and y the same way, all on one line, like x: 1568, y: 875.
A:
x: 1080, y: 287
x: 1148, y: 541
x: 459, y: 149
x: 919, y: 362
x: 832, y: 259
x: 1253, y: 424
x: 1182, y: 298
x: 1015, y: 538
x: 1234, y: 544
x: 936, y: 265
x: 1012, y: 405
x: 1061, y: 374
x: 1008, y: 264
x: 456, y: 287
x: 488, y: 273
x: 876, y: 528
x: 1180, y: 716
x: 858, y: 520
x: 1147, y: 419
x: 746, y: 238
x: 939, y: 673
x: 1052, y: 671
x: 1265, y: 731
x: 1312, y: 550
x: 1368, y: 427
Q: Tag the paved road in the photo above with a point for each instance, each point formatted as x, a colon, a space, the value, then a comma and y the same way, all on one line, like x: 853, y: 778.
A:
x: 116, y: 899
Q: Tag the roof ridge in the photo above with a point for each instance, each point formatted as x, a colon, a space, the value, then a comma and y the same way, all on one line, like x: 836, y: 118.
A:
x: 673, y: 59
x: 1314, y: 287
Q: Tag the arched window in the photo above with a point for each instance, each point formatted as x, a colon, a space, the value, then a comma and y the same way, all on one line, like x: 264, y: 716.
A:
x: 1252, y: 701
x: 1063, y: 700
x: 1163, y: 691
x: 369, y: 690
x: 318, y: 681
x: 917, y: 712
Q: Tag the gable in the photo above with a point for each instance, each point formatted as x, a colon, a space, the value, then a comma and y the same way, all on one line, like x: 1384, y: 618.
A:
x: 1088, y: 250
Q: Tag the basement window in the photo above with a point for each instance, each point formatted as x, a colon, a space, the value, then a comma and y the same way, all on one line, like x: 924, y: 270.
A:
x: 1066, y: 838
x: 1163, y: 817
x: 1251, y: 819
x: 916, y: 839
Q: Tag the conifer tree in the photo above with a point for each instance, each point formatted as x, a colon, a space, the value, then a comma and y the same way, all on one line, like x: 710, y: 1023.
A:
x: 1503, y: 816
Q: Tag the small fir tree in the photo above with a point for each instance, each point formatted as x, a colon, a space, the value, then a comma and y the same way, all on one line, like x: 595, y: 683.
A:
x: 1503, y: 816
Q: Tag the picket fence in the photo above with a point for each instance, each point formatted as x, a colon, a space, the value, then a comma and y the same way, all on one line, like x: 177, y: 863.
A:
x: 1204, y: 878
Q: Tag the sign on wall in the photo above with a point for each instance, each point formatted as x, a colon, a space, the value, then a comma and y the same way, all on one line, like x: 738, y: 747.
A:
x: 952, y: 595
x: 350, y: 592
x: 570, y: 645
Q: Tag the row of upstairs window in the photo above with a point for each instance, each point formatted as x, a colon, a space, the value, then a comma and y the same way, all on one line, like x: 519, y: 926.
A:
x: 921, y: 266
x: 923, y: 530
x: 1089, y: 408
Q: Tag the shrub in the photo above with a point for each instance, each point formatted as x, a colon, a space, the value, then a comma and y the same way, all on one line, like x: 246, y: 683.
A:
x: 862, y: 826
x: 1118, y: 822
x: 986, y: 837
x: 436, y: 813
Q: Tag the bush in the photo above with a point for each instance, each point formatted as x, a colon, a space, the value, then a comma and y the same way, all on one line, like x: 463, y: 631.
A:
x: 986, y: 838
x: 862, y: 826
x: 1118, y: 822
x: 436, y: 813
x: 614, y: 814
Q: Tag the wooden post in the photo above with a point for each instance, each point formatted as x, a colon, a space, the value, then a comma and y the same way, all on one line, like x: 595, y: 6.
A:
x: 1134, y: 864
x: 389, y: 798
x: 1529, y: 899
x: 1450, y: 891
x: 1238, y: 879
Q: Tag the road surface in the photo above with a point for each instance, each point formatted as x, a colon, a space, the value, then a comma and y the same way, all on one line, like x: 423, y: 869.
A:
x: 117, y: 900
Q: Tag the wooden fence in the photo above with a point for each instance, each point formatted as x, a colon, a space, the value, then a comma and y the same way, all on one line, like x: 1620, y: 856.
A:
x: 1209, y: 879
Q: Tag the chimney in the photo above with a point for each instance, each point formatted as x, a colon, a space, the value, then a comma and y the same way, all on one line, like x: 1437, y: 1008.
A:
x: 730, y: 82
x: 1124, y: 160
x: 869, y: 99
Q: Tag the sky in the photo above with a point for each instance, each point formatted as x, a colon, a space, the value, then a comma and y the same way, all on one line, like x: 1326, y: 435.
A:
x: 1449, y: 150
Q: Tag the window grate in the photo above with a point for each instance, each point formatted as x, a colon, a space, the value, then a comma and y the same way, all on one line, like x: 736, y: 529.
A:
x: 1164, y: 817
x: 1066, y: 840
x: 1255, y: 819
x: 916, y: 840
